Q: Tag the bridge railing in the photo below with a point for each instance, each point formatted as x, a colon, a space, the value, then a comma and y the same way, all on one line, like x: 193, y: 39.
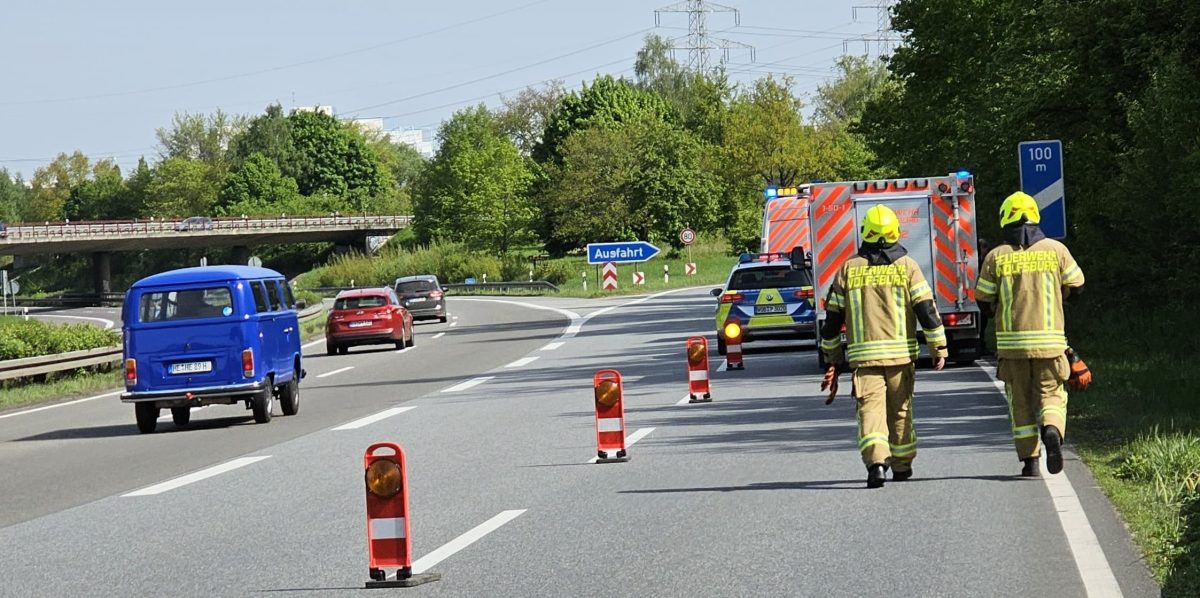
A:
x: 58, y: 230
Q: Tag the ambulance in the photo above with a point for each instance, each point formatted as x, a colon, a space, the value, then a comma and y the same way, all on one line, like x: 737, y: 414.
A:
x: 937, y: 227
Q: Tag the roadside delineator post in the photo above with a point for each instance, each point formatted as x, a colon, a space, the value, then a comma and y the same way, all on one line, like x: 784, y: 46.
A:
x: 610, y: 416
x: 389, y: 543
x: 698, y: 379
x: 733, y: 346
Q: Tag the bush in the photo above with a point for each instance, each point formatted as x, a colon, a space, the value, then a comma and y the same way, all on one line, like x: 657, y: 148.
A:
x: 31, y: 338
x: 450, y: 262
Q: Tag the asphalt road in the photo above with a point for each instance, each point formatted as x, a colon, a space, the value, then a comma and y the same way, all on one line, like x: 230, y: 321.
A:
x: 758, y: 493
x: 102, y: 317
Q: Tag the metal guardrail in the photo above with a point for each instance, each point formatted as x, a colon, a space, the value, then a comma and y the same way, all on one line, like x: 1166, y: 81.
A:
x: 65, y: 230
x: 493, y: 286
x: 50, y: 364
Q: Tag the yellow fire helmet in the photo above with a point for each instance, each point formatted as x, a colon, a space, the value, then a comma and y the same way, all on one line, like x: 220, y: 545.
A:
x: 1016, y: 205
x: 880, y: 225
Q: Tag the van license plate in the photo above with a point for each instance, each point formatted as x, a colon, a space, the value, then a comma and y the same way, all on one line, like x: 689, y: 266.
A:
x: 359, y: 324
x: 191, y: 367
x: 770, y: 309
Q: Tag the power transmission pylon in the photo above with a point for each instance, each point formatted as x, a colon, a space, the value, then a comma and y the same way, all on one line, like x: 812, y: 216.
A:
x: 699, y: 41
x: 885, y: 37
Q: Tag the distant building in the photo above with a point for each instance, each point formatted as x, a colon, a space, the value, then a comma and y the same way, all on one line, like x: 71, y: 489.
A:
x: 326, y: 110
x: 412, y: 137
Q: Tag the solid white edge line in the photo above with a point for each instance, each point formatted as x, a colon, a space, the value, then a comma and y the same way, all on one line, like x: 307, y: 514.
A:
x: 448, y: 549
x: 196, y: 477
x: 522, y: 362
x: 637, y: 435
x: 337, y: 371
x: 370, y: 419
x: 57, y: 405
x: 473, y: 382
x: 313, y: 343
x: 576, y: 321
x: 1097, y: 575
x: 439, y: 335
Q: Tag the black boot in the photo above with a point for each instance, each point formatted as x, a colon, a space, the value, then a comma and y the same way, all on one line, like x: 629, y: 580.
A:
x: 900, y: 476
x: 875, y: 476
x: 1031, y: 469
x: 1053, y: 441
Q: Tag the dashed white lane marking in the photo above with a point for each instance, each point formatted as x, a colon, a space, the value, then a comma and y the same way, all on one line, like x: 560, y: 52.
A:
x: 57, y: 405
x: 553, y: 346
x: 313, y: 343
x: 472, y: 383
x: 524, y: 361
x: 447, y: 550
x: 337, y: 371
x: 191, y: 478
x: 637, y: 435
x: 370, y: 419
x: 439, y: 335
x: 107, y: 322
x: 1098, y: 578
x: 454, y: 323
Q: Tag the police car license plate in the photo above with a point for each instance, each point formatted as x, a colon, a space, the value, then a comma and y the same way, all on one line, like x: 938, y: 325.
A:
x: 191, y: 367
x: 770, y: 309
x: 360, y: 324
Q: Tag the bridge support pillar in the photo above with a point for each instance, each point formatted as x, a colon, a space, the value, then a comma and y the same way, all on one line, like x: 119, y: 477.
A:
x: 241, y: 255
x: 102, y: 271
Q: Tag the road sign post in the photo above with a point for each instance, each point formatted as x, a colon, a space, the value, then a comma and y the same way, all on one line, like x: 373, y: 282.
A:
x: 687, y: 236
x: 1041, y: 165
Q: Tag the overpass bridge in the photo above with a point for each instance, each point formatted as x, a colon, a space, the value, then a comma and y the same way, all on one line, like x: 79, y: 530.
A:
x: 100, y: 239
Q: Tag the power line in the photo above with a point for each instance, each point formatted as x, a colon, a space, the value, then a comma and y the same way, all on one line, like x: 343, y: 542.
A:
x: 501, y: 74
x: 280, y: 67
x: 699, y: 40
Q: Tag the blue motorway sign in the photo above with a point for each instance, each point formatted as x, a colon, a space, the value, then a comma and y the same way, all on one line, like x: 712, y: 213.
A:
x: 1042, y: 177
x: 624, y: 252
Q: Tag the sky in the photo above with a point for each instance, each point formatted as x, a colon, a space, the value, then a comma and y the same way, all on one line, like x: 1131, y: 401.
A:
x: 100, y: 77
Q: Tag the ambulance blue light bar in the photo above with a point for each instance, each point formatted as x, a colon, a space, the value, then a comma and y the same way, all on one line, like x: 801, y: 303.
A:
x: 962, y: 174
x: 774, y: 192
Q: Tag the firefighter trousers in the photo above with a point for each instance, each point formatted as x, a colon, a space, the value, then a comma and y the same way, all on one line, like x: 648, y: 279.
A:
x: 1036, y: 395
x: 885, y: 421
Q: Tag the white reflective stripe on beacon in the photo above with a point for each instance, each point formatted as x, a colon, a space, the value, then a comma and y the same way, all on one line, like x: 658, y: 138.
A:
x: 610, y: 424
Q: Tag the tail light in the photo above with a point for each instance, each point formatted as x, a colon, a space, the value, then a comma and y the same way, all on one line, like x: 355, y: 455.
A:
x: 130, y: 371
x: 248, y: 363
x: 384, y: 314
x: 732, y: 297
x: 958, y: 320
x: 804, y: 294
x: 435, y: 294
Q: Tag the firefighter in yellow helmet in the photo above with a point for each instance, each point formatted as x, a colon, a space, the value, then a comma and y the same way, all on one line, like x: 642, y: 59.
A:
x: 880, y: 295
x: 1023, y: 281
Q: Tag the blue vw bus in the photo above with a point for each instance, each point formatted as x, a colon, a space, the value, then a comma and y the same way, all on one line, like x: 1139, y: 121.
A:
x: 211, y: 335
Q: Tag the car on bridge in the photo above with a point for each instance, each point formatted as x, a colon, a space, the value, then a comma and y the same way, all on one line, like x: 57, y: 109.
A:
x: 195, y: 223
x: 211, y: 335
x: 423, y: 296
x: 367, y: 317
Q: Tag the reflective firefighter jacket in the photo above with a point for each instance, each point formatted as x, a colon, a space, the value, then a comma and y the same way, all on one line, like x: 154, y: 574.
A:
x: 1026, y: 285
x: 877, y: 304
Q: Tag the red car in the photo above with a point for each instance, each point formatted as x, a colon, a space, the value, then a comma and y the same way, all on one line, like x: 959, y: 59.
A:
x: 367, y: 317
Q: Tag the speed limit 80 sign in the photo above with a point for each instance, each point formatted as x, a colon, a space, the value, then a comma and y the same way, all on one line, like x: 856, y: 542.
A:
x: 687, y: 236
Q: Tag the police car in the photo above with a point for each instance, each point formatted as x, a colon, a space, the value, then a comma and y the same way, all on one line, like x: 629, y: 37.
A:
x: 768, y: 298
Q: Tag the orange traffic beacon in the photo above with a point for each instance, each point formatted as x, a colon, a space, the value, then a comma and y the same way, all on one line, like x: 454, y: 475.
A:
x: 389, y: 543
x: 698, y: 379
x: 733, y: 346
x: 610, y: 416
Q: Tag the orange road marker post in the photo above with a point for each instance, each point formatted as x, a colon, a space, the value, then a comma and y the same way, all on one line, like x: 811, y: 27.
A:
x: 699, y: 390
x: 733, y: 346
x: 389, y: 543
x: 610, y: 417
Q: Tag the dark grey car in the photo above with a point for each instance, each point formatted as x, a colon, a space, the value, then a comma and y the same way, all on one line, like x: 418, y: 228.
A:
x: 422, y: 295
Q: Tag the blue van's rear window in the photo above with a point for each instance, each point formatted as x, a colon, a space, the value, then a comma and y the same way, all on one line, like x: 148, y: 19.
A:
x: 169, y: 306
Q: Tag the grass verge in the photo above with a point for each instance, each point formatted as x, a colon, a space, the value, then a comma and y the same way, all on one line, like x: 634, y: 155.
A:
x: 1138, y: 429
x: 83, y: 383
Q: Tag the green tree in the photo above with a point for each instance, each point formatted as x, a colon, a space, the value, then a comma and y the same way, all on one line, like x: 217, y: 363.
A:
x: 605, y: 103
x: 101, y: 197
x: 474, y: 190
x: 524, y: 116
x: 14, y: 197
x: 404, y: 164
x: 698, y: 98
x: 199, y: 137
x: 53, y: 183
x: 257, y: 188
x: 180, y: 187
x: 844, y: 100
x: 270, y: 134
x: 335, y: 160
